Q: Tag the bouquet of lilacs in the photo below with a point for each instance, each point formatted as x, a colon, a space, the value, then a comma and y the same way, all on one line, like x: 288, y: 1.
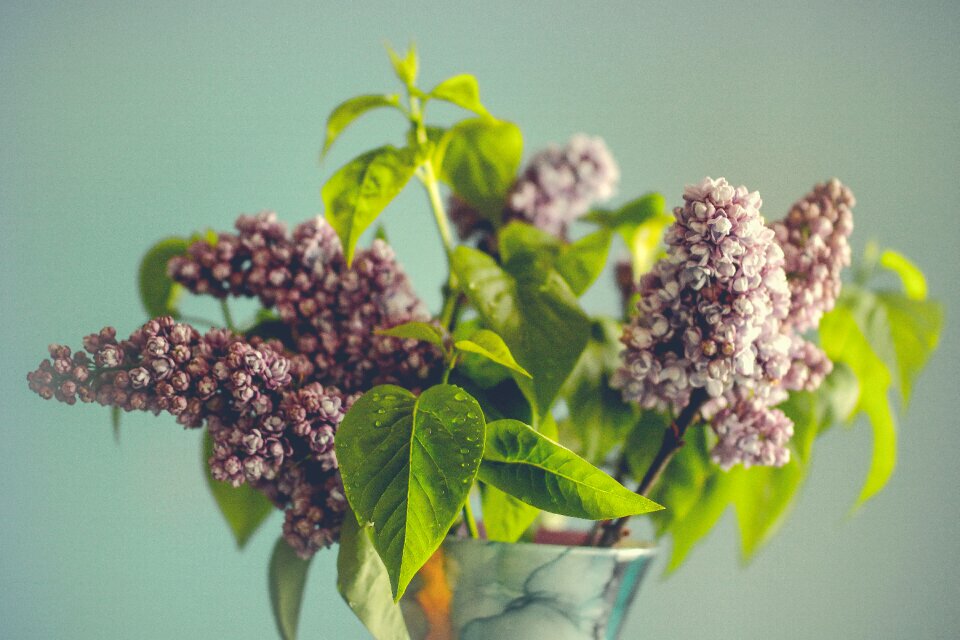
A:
x: 379, y: 427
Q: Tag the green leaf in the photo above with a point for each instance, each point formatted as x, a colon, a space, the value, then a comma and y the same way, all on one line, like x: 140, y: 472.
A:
x: 348, y: 111
x: 914, y: 282
x: 408, y: 464
x: 491, y: 346
x: 843, y: 341
x: 363, y: 583
x: 244, y: 508
x: 406, y: 67
x: 381, y: 233
x: 631, y: 215
x: 360, y: 190
x: 582, y: 262
x: 423, y: 331
x: 599, y: 419
x: 839, y: 393
x: 915, y: 327
x: 546, y: 475
x: 480, y: 370
x: 288, y: 576
x: 481, y: 157
x: 533, y: 309
x: 461, y: 90
x: 115, y: 413
x: 158, y: 292
x: 505, y: 518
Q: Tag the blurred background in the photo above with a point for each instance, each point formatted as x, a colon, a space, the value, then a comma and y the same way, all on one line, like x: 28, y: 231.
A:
x: 120, y: 125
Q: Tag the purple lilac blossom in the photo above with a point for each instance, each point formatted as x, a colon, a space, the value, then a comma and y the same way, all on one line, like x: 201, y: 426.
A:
x: 331, y: 309
x: 558, y: 185
x: 706, y: 309
x: 751, y: 433
x: 267, y: 429
x: 814, y: 237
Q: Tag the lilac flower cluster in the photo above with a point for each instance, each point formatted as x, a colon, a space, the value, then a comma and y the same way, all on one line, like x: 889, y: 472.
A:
x: 558, y: 185
x: 725, y: 310
x: 266, y: 431
x: 332, y: 310
x: 814, y: 237
x: 705, y: 309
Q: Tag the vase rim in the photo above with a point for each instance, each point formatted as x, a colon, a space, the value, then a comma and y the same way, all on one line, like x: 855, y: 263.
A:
x: 629, y: 549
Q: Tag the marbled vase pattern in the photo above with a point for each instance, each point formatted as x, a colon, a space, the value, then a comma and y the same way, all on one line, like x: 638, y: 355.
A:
x: 479, y: 590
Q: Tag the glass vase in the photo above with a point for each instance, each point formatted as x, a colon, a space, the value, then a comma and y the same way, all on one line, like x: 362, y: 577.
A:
x: 480, y: 590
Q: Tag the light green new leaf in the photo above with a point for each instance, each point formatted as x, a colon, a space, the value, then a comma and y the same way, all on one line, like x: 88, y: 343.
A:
x: 532, y: 308
x: 408, y: 464
x: 461, y: 90
x: 287, y: 578
x: 244, y: 508
x: 360, y: 190
x: 348, y: 111
x: 481, y: 157
x: 914, y: 282
x: 915, y: 328
x: 406, y: 67
x: 158, y: 292
x: 520, y: 461
x: 423, y: 331
x: 491, y: 346
x: 363, y: 583
x: 843, y: 341
x: 505, y: 518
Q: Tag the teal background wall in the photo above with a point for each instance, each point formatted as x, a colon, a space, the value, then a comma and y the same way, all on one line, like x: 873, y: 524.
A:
x: 120, y: 124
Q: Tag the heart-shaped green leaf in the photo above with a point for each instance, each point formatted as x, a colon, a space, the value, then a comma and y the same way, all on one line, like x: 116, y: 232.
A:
x: 363, y: 582
x: 423, y: 331
x: 287, y: 578
x: 520, y: 461
x: 348, y: 111
x: 461, y: 90
x: 360, y: 190
x: 158, y: 292
x: 481, y: 157
x: 532, y: 308
x: 491, y: 346
x: 580, y: 263
x: 505, y: 518
x: 244, y: 508
x: 408, y: 464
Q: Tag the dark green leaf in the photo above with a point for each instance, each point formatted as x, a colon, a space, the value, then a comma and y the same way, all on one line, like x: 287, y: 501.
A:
x: 363, y: 583
x: 288, y: 576
x: 115, y: 413
x: 481, y: 157
x: 518, y: 237
x: 244, y: 508
x: 348, y: 111
x: 359, y: 191
x: 630, y: 215
x: 381, y: 233
x: 492, y: 347
x: 505, y: 518
x: 408, y: 464
x: 158, y: 292
x: 461, y: 90
x: 423, y: 331
x: 522, y: 462
x: 532, y: 308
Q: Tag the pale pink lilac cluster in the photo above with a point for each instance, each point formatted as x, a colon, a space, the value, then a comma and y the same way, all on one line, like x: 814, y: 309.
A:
x: 706, y: 307
x: 330, y: 309
x: 558, y: 185
x: 267, y: 429
x: 758, y: 326
x: 814, y: 237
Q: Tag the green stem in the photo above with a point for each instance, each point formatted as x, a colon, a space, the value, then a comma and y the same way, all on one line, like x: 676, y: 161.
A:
x: 468, y: 518
x: 227, y: 317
